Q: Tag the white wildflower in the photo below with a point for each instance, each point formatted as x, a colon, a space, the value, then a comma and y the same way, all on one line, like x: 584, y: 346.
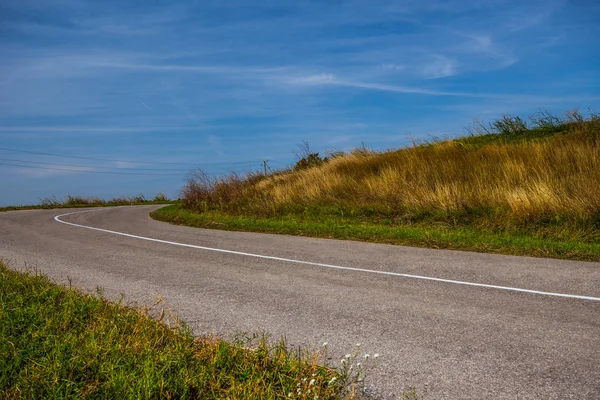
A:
x: 312, y: 382
x: 367, y: 356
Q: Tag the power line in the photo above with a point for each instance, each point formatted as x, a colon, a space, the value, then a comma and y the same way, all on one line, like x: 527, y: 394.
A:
x: 87, y: 166
x: 95, y: 172
x: 90, y: 172
x: 121, y: 168
x: 125, y: 161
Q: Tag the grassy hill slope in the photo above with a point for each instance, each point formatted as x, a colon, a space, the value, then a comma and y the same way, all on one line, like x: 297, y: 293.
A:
x: 513, y: 188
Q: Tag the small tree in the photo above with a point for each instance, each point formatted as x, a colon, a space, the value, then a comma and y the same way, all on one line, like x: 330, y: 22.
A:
x: 307, y: 159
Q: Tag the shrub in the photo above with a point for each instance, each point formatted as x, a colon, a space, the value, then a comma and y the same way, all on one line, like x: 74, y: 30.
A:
x: 509, y: 125
x: 311, y: 160
x: 160, y: 197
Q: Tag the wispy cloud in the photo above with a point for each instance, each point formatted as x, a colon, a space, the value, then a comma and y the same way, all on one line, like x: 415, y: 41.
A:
x: 396, y: 88
x: 311, y: 80
x: 392, y: 67
x: 36, y: 172
x: 212, y: 69
x: 145, y: 105
x: 440, y: 67
x: 331, y: 80
x: 248, y: 77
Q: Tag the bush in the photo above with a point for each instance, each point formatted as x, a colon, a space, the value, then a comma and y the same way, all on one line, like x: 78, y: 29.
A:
x: 160, y: 197
x: 509, y: 125
x: 311, y: 160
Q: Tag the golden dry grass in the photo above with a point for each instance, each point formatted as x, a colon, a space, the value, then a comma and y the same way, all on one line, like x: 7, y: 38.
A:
x: 492, y: 183
x: 557, y: 176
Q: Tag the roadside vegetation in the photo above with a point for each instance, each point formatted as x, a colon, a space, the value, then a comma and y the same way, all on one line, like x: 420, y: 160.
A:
x: 79, y: 201
x: 512, y: 186
x: 58, y: 343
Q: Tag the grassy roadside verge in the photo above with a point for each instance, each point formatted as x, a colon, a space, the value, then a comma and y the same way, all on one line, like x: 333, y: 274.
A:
x: 57, y: 342
x: 82, y: 205
x: 83, y: 202
x: 338, y: 227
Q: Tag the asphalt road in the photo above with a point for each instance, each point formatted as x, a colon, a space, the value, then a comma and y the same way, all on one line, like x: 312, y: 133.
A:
x: 448, y: 340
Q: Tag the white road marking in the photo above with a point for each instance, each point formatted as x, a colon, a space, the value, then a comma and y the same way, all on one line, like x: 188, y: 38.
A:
x: 289, y: 260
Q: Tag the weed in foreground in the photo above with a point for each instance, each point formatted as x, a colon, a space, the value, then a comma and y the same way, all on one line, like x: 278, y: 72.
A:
x: 60, y: 343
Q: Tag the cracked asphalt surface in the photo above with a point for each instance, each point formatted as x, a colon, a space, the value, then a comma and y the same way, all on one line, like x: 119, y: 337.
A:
x: 446, y: 340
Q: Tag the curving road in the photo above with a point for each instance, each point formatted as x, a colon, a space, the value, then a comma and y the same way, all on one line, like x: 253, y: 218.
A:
x: 446, y: 337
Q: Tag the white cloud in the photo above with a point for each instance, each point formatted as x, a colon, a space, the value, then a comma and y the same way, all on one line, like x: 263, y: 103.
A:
x: 90, y: 129
x: 392, y: 67
x: 395, y: 88
x: 331, y: 80
x: 35, y: 172
x: 310, y: 80
x: 218, y: 69
x: 440, y: 67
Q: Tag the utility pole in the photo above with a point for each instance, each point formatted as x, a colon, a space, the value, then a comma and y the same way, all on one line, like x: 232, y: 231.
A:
x: 265, y: 166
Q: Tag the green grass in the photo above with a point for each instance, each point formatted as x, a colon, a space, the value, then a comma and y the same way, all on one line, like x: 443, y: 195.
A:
x: 81, y: 205
x: 58, y: 343
x: 82, y: 202
x: 352, y: 228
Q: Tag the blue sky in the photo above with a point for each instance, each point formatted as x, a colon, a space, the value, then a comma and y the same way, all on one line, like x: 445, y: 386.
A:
x: 152, y: 89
